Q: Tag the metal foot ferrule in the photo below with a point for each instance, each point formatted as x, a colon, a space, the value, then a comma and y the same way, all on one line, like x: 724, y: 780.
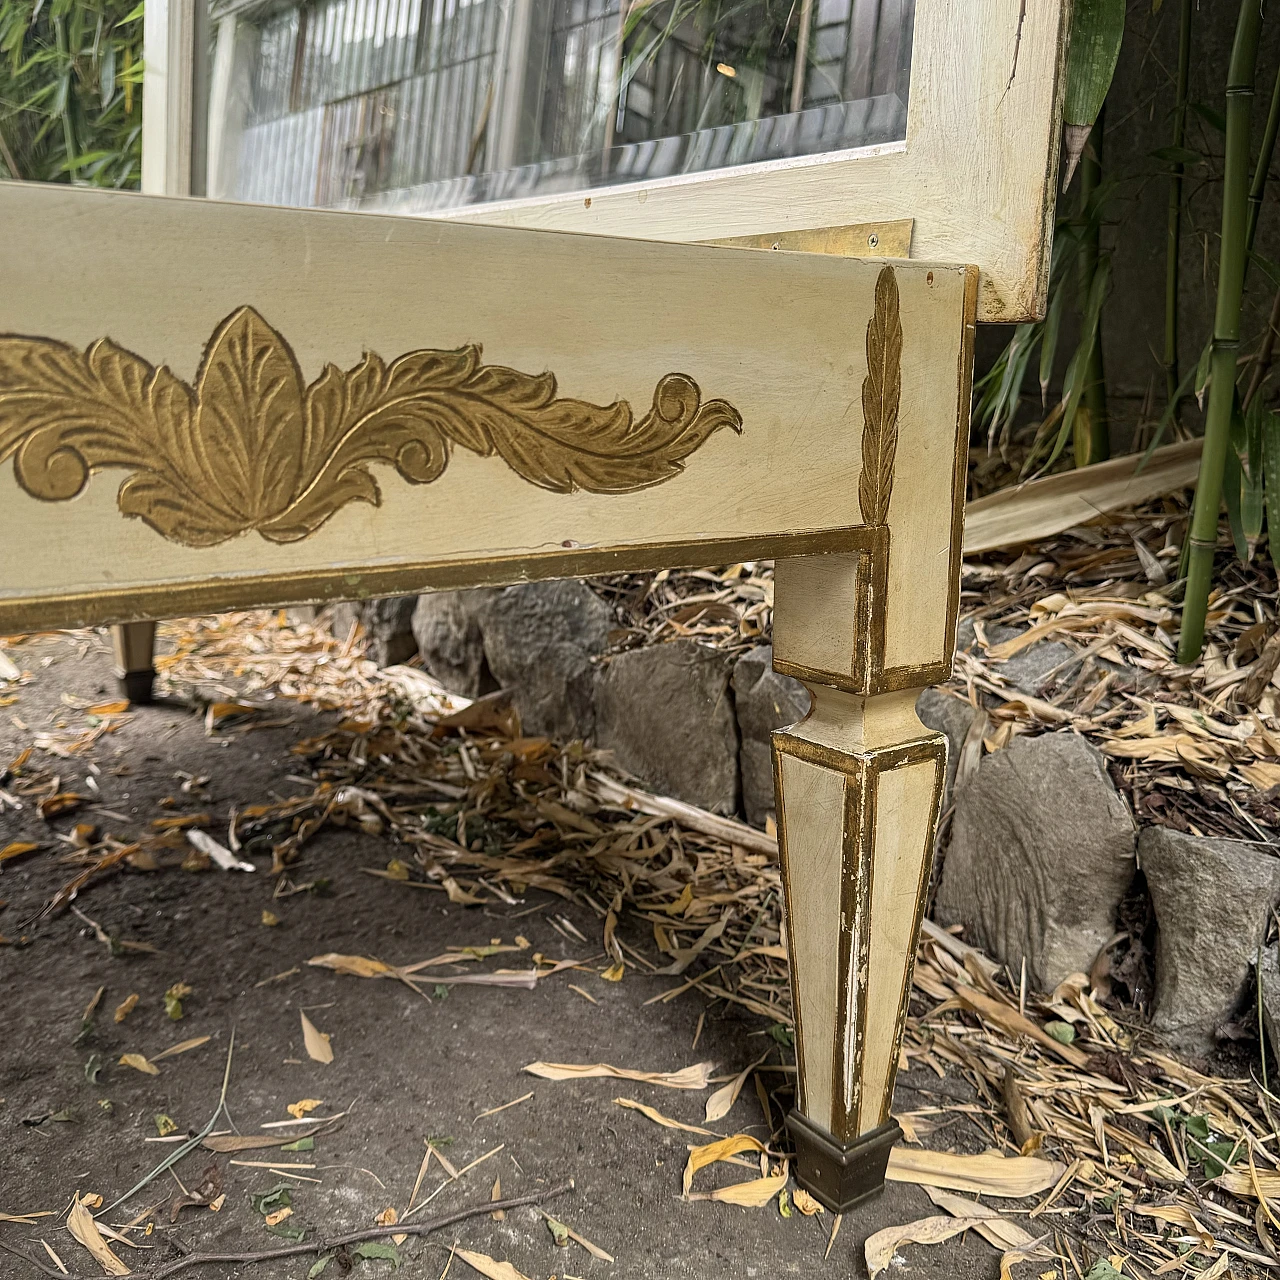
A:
x: 837, y: 1175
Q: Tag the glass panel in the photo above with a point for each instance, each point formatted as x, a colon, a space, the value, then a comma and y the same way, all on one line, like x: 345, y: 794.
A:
x: 416, y: 105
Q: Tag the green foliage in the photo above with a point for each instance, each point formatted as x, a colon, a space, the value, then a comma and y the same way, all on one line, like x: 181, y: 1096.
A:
x: 70, y: 91
x: 1097, y: 28
x: 372, y: 1249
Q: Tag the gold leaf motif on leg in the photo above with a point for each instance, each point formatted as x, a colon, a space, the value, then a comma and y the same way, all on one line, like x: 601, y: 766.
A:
x: 881, y: 397
x: 253, y: 447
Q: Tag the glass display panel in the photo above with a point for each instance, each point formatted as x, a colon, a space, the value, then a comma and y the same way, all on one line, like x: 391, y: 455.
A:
x: 421, y: 105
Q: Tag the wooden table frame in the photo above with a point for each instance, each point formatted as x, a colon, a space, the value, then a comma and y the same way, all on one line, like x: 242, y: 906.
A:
x: 804, y: 408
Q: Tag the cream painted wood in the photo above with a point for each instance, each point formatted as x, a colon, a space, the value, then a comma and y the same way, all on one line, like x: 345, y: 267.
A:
x: 816, y: 796
x: 781, y: 337
x: 857, y: 791
x: 977, y: 170
x: 903, y: 843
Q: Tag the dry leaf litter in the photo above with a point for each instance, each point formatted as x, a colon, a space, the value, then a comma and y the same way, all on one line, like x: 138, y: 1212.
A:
x: 1106, y: 1154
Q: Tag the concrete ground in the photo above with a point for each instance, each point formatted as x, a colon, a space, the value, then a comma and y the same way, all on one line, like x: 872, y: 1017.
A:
x: 405, y: 1067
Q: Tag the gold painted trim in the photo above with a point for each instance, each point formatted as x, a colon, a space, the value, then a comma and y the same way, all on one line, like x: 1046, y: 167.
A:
x: 102, y: 606
x: 251, y: 447
x: 881, y: 400
x: 868, y: 675
x: 852, y: 240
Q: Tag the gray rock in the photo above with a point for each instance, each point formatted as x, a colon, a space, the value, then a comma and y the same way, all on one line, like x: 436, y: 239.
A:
x: 388, y: 625
x: 1041, y: 854
x: 764, y: 701
x: 947, y: 714
x: 1269, y: 977
x: 667, y: 714
x: 539, y: 639
x: 1212, y: 899
x: 446, y: 626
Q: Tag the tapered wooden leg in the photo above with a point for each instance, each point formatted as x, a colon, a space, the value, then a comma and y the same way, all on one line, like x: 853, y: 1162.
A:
x: 858, y: 782
x: 134, y: 644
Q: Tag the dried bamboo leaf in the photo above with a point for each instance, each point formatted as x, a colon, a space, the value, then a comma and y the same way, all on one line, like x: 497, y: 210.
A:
x: 82, y: 1226
x: 987, y: 1174
x: 880, y: 1247
x: 693, y: 1077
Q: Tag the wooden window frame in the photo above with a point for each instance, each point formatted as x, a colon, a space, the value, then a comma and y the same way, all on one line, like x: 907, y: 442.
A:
x: 976, y: 173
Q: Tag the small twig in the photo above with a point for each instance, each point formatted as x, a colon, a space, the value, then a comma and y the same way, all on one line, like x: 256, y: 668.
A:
x: 26, y: 1257
x: 354, y: 1237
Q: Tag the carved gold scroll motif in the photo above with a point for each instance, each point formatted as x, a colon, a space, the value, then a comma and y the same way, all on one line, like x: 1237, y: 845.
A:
x: 251, y: 446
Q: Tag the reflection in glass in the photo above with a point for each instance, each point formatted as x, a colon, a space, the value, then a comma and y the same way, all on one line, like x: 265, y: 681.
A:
x: 415, y: 105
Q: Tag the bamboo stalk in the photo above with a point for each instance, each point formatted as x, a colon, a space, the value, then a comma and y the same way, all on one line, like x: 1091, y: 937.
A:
x: 1173, y: 248
x: 1262, y: 170
x: 1203, y: 537
x: 1094, y: 443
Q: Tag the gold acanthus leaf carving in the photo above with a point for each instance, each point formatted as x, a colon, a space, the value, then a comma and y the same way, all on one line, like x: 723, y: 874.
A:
x: 251, y: 446
x: 881, y: 397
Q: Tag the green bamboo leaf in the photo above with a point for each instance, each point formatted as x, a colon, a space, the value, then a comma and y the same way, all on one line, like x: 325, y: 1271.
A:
x: 1049, y: 343
x: 1097, y: 30
x: 1202, y: 373
x: 1214, y: 119
x: 1232, y: 485
x: 107, y: 73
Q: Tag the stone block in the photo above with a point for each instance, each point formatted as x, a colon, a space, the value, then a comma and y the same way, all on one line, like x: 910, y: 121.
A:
x: 1212, y: 899
x: 667, y: 714
x: 1041, y: 853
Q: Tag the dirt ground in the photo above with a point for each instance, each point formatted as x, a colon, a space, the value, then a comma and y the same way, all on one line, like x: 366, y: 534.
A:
x: 405, y: 1067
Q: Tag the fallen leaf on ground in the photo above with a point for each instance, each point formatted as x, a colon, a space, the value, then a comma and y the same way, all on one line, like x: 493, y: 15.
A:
x: 355, y: 966
x: 694, y: 1077
x: 117, y: 707
x: 126, y: 1007
x: 299, y: 1109
x: 489, y: 1267
x: 721, y: 1102
x: 57, y: 1261
x: 16, y: 849
x: 374, y: 1249
x: 805, y: 1202
x: 165, y: 1125
x: 881, y: 1246
x: 994, y: 1229
x: 181, y: 1047
x: 709, y: 1153
x: 657, y: 1117
x: 139, y: 1063
x: 317, y: 1042
x: 988, y: 1174
x: 63, y: 802
x: 230, y: 1142
x: 753, y: 1194
x: 562, y: 1234
x: 173, y: 999
x: 82, y: 1226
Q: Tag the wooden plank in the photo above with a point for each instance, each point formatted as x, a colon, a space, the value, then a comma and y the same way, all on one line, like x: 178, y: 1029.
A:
x: 756, y: 363
x: 1041, y: 508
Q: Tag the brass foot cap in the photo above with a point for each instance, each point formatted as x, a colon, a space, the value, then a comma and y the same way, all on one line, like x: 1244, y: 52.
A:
x: 836, y: 1175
